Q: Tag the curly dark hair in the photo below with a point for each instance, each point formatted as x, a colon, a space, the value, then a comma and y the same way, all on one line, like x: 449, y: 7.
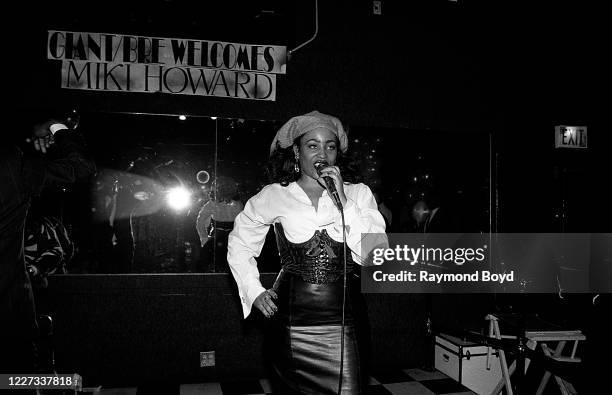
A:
x: 281, y: 165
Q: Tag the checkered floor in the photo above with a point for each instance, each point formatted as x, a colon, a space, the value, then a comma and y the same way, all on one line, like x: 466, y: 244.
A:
x: 398, y: 382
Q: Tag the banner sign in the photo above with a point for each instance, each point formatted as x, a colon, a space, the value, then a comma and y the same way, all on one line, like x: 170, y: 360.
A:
x: 123, y: 63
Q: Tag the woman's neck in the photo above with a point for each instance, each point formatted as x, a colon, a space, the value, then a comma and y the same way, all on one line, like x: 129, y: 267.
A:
x: 310, y: 184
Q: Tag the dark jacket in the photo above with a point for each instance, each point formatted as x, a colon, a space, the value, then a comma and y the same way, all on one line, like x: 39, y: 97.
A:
x: 21, y: 177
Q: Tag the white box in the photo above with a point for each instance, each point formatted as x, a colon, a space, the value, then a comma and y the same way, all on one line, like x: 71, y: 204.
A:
x: 467, y: 363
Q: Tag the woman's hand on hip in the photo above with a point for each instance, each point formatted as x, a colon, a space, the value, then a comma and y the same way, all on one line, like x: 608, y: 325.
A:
x: 265, y: 302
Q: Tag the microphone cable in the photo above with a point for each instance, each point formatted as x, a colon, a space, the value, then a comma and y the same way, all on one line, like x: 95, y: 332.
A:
x: 333, y: 194
x: 344, y: 286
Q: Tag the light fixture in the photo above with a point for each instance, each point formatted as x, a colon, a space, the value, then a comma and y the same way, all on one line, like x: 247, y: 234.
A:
x: 202, y: 176
x: 182, y: 117
x: 178, y: 198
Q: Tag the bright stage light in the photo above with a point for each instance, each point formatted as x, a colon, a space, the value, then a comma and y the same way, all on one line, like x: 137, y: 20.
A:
x: 178, y: 198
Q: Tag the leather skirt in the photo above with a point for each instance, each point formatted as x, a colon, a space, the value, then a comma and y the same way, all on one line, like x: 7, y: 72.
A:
x: 306, y: 339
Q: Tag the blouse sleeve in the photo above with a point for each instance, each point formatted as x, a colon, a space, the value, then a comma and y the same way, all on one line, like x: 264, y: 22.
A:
x: 244, y: 244
x: 362, y: 217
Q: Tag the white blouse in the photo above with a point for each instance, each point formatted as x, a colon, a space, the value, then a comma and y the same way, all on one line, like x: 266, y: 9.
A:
x: 300, y: 219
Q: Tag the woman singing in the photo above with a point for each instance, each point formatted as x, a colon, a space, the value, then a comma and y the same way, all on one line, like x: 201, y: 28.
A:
x: 309, y: 304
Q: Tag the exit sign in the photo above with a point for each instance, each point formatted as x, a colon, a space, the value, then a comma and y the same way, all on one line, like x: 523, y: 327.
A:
x: 570, y: 136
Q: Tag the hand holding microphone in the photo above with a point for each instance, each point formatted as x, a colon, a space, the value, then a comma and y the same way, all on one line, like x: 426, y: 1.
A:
x: 326, y: 172
x: 42, y: 134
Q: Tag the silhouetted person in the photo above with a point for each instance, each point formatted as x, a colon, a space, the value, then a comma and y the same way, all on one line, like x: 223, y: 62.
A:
x: 61, y: 160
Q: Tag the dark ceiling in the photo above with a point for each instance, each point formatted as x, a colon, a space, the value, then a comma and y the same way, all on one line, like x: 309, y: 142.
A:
x: 511, y: 51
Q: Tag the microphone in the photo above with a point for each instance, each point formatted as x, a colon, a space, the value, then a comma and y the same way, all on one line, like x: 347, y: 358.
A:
x: 329, y: 183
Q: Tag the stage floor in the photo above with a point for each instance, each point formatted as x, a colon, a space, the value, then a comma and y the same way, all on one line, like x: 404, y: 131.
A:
x: 393, y: 382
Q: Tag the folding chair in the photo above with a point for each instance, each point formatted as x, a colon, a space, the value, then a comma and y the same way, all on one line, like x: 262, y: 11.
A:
x: 533, y: 338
